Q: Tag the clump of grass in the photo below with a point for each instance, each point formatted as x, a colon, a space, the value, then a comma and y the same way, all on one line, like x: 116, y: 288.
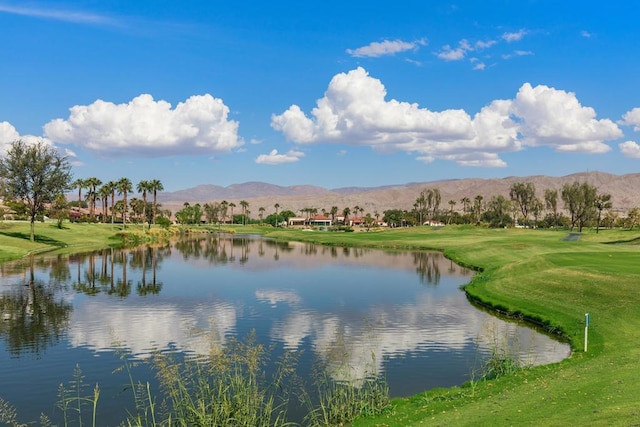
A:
x: 229, y: 387
x: 503, y: 358
x: 341, y: 402
x: 8, y: 414
x: 341, y: 394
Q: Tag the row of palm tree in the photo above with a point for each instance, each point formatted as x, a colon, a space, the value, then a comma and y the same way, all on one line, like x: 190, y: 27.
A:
x: 123, y: 187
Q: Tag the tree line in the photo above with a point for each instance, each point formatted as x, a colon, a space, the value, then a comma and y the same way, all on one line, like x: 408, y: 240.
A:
x: 34, y: 179
x: 582, y: 202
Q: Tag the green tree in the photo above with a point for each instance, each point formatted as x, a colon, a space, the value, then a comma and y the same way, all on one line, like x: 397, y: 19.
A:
x: 154, y: 186
x: 452, y: 203
x: 79, y: 184
x: 34, y: 173
x: 345, y: 213
x: 59, y: 209
x: 633, y: 217
x: 124, y: 186
x: 244, y: 204
x: 103, y: 193
x: 111, y: 185
x: 603, y: 202
x: 551, y: 203
x: 579, y: 199
x: 523, y: 195
x: 497, y: 213
x: 276, y: 206
x: 477, y: 207
x: 232, y: 205
x: 143, y: 187
x: 91, y: 184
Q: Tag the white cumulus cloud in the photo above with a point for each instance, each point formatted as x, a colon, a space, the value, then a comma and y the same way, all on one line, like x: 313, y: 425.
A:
x: 9, y: 134
x: 386, y: 47
x: 199, y: 125
x: 354, y: 111
x: 273, y: 158
x: 630, y: 149
x: 555, y: 118
x: 632, y: 118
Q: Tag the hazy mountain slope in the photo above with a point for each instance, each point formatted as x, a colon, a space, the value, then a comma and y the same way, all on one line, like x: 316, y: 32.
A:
x: 623, y: 189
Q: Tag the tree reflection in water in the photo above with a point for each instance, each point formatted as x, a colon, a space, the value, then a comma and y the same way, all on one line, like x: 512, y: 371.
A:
x: 33, y: 312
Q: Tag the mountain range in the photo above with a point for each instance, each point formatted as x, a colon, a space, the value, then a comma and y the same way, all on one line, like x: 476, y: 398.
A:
x: 623, y: 190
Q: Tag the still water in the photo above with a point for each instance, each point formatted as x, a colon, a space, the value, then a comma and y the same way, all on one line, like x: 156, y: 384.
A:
x: 397, y: 314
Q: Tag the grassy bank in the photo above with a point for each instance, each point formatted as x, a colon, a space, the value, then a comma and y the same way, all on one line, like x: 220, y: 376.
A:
x: 538, y: 275
x: 530, y: 273
x: 15, y: 244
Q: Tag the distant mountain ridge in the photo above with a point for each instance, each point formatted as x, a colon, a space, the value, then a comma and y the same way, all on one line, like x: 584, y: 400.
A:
x: 402, y: 196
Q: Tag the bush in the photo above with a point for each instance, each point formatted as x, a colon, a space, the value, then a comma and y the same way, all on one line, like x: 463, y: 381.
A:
x: 163, y: 222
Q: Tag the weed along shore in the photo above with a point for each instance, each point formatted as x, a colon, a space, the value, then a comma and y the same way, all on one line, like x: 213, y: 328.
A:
x: 529, y: 274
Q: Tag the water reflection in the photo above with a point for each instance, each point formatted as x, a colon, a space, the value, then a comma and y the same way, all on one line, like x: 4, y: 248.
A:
x: 355, y: 305
x: 33, y: 315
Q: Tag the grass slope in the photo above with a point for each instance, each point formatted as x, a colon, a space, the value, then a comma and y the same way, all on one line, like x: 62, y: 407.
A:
x: 15, y: 244
x: 538, y: 275
x: 532, y: 273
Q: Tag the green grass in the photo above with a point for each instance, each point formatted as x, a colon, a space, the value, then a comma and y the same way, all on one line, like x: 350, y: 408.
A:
x: 537, y: 275
x: 15, y: 244
x: 530, y: 273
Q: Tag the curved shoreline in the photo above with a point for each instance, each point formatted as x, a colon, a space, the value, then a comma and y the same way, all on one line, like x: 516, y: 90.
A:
x: 534, y: 274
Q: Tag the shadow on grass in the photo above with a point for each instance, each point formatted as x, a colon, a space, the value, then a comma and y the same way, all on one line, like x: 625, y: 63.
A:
x: 38, y: 239
x: 632, y: 241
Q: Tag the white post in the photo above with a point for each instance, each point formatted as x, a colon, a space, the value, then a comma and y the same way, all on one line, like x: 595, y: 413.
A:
x: 586, y: 331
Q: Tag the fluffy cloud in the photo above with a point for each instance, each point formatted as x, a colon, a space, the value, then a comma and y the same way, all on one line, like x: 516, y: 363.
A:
x: 386, y: 47
x: 632, y: 118
x: 555, y: 118
x: 630, y: 149
x: 200, y: 125
x: 9, y: 134
x: 273, y: 158
x: 354, y: 111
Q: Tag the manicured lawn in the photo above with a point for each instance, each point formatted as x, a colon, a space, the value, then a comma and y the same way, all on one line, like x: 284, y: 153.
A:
x: 532, y: 273
x: 14, y: 238
x: 538, y: 275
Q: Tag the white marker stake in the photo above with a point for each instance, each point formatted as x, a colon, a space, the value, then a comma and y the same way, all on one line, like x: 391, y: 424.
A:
x: 586, y: 331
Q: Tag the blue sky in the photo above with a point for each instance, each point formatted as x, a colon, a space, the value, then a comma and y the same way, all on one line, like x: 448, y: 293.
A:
x: 328, y: 93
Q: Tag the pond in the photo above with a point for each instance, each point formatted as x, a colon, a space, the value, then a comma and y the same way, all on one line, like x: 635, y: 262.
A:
x: 398, y: 314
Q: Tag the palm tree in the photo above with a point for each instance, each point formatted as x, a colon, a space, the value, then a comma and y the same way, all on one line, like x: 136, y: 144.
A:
x: 104, y: 192
x: 244, y: 205
x: 142, y: 187
x: 261, y: 210
x: 154, y: 186
x: 465, y: 206
x: 123, y: 186
x: 80, y: 184
x: 452, y: 203
x: 91, y: 184
x: 277, y: 206
x: 345, y: 214
x: 112, y: 186
x: 478, y: 207
x: 334, y: 212
x: 232, y: 205
x: 223, y: 210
